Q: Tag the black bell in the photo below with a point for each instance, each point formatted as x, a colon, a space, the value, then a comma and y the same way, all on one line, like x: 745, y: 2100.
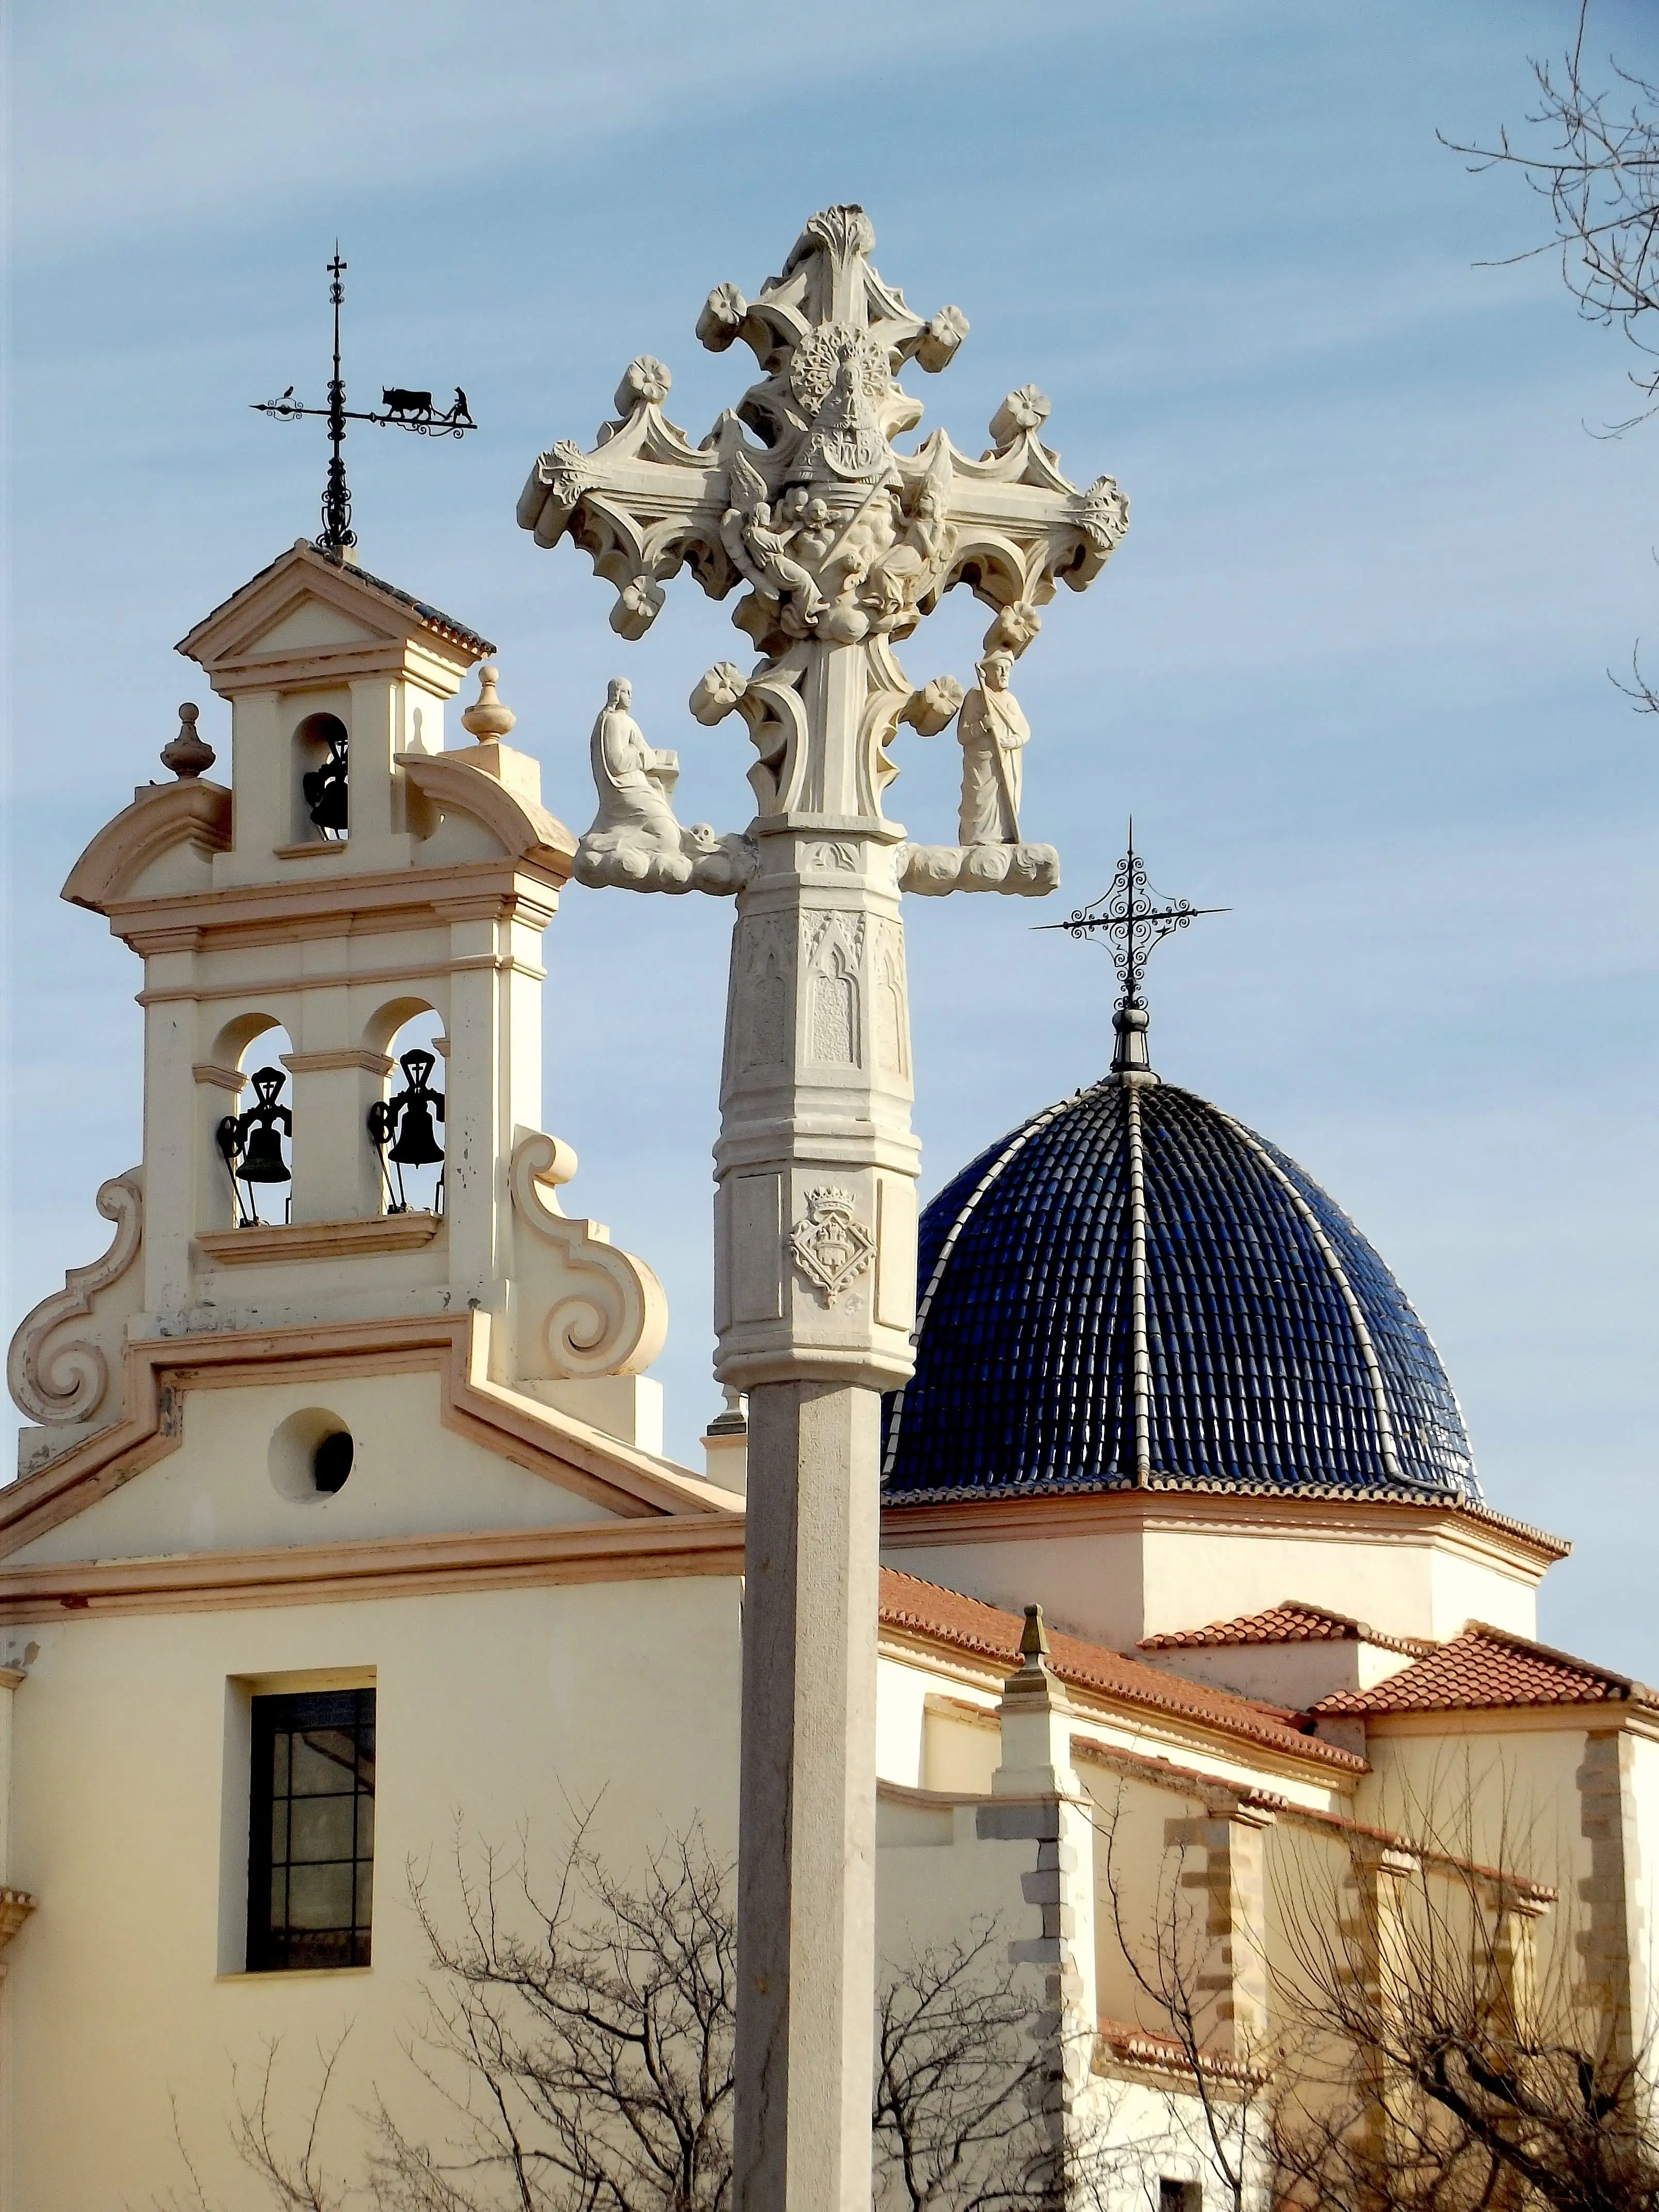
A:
x: 418, y: 1144
x: 326, y: 789
x: 260, y: 1130
x: 262, y: 1161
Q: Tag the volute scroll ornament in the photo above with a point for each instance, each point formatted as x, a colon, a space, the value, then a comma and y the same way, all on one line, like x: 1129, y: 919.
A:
x: 588, y: 1308
x: 57, y: 1378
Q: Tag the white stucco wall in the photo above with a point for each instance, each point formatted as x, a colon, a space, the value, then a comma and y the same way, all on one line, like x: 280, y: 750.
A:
x: 494, y: 1710
x: 409, y: 1476
x: 1115, y: 1586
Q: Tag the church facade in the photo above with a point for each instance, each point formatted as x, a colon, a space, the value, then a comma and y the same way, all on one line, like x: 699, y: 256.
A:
x: 343, y: 1526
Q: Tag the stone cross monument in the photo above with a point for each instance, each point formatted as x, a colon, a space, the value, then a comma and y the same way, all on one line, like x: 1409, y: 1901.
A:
x: 840, y: 545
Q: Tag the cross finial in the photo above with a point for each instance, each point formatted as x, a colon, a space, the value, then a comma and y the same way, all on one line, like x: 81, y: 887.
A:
x: 1134, y: 920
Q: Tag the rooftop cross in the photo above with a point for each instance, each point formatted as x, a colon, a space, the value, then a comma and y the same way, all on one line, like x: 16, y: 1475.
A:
x: 1130, y: 915
x: 1134, y: 921
x: 404, y: 408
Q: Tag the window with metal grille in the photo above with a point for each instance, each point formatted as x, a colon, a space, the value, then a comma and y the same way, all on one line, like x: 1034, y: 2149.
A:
x: 310, y: 1850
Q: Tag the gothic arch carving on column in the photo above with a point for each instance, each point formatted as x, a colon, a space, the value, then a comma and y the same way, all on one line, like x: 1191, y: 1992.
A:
x: 57, y: 1379
x: 588, y: 1308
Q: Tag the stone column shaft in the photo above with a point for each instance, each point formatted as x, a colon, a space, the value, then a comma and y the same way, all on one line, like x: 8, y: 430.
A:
x: 806, y: 1895
x: 815, y: 1266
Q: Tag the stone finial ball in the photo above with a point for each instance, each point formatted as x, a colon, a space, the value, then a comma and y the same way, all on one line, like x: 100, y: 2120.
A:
x: 487, y: 718
x: 189, y: 754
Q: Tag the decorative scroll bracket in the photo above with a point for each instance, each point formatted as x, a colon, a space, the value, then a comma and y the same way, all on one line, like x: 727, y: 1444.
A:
x: 586, y: 1307
x: 59, y: 1380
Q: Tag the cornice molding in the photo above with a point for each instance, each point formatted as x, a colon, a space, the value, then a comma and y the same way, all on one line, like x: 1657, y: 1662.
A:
x: 374, y: 1567
x: 270, y: 1243
x: 1474, y: 1530
x: 523, y: 889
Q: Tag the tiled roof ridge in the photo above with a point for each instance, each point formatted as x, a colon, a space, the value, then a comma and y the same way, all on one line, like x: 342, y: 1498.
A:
x: 1440, y: 1682
x: 1144, y: 2046
x: 994, y: 1634
x: 432, y: 618
x: 1232, y: 1487
x: 1278, y: 1624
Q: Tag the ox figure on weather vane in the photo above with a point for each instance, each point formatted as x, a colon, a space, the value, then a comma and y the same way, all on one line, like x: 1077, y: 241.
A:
x: 402, y: 408
x: 841, y: 546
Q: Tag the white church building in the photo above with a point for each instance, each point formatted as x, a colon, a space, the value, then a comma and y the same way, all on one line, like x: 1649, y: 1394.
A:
x: 343, y: 1518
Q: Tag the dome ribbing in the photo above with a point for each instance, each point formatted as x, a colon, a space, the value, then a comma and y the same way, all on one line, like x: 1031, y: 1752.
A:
x: 1134, y: 1288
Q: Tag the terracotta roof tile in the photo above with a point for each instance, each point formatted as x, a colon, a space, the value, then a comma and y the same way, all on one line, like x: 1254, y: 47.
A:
x: 923, y: 1608
x: 430, y: 618
x: 1293, y: 1622
x: 1130, y: 2045
x: 1486, y: 1668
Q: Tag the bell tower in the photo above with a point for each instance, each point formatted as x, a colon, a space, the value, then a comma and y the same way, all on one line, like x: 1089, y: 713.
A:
x: 357, y: 876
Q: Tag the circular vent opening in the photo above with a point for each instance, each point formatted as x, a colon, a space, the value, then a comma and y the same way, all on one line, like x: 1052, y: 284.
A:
x: 311, y: 1455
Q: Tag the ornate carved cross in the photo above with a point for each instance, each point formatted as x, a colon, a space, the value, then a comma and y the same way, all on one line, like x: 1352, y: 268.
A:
x: 841, y: 546
x: 840, y: 540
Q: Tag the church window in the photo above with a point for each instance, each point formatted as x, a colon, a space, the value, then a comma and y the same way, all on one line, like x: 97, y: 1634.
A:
x: 311, y: 1855
x: 1180, y: 2195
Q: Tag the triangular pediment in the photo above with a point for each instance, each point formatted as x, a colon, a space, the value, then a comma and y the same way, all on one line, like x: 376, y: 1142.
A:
x: 311, y: 620
x: 307, y: 617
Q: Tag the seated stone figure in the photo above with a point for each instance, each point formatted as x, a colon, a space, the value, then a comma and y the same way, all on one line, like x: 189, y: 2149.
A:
x: 635, y: 781
x: 635, y: 840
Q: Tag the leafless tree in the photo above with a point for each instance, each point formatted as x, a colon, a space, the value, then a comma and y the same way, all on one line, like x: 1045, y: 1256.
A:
x: 1443, y: 2067
x: 581, y: 2044
x: 1592, y: 156
x: 959, y: 2082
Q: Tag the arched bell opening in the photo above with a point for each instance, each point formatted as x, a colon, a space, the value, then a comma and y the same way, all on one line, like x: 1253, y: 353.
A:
x: 255, y: 1140
x: 406, y: 1123
x: 322, y: 768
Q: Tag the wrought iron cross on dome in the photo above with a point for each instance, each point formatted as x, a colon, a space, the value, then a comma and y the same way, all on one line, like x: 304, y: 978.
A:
x: 1133, y: 919
x: 402, y: 408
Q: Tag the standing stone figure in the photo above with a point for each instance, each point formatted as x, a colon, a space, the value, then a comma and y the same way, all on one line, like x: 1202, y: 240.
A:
x: 994, y: 732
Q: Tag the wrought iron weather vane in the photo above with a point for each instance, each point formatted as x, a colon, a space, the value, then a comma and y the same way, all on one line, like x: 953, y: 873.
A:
x: 402, y: 410
x: 1134, y: 921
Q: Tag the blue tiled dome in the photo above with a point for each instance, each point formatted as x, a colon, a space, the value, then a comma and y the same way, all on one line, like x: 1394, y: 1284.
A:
x: 1134, y: 1287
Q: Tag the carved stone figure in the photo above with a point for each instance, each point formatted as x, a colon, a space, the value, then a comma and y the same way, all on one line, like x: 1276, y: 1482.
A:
x: 634, y: 837
x: 995, y: 733
x: 635, y: 781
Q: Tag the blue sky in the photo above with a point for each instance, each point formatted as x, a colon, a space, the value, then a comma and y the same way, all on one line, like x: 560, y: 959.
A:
x: 1348, y: 671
